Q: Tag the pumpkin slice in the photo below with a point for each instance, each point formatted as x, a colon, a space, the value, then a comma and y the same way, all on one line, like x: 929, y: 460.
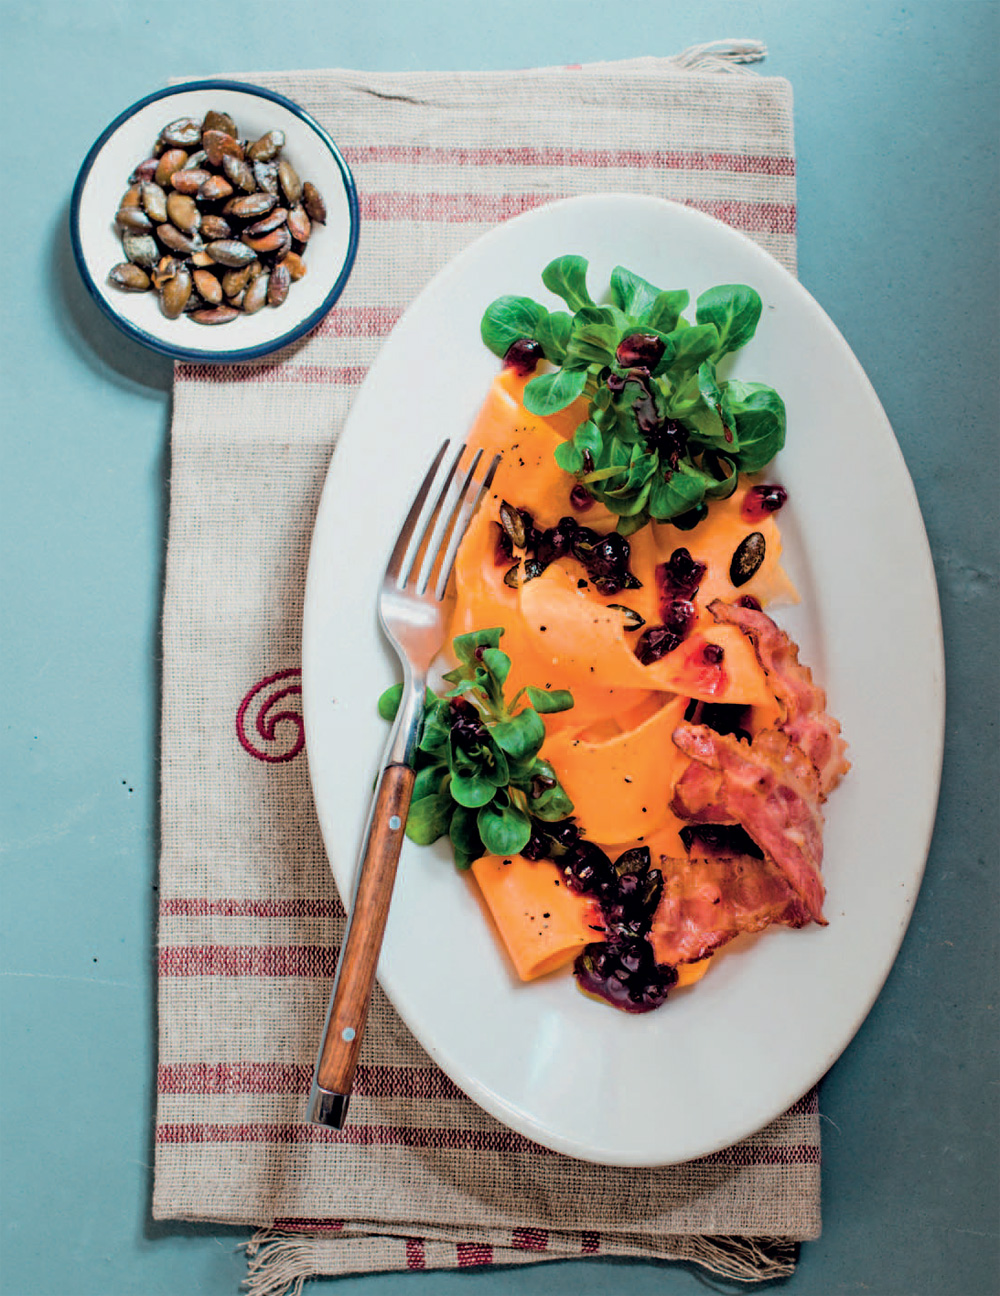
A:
x: 584, y: 642
x: 543, y: 924
x: 715, y: 540
x: 621, y: 787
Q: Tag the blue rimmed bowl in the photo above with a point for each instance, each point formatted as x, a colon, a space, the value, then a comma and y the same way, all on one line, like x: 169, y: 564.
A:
x: 104, y: 177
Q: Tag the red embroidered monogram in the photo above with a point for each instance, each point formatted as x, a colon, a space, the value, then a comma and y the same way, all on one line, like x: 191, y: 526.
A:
x: 259, y: 705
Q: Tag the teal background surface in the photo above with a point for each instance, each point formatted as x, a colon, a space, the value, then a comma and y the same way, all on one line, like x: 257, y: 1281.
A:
x: 896, y: 133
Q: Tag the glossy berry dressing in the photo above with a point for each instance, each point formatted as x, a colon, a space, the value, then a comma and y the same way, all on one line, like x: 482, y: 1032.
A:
x: 622, y: 968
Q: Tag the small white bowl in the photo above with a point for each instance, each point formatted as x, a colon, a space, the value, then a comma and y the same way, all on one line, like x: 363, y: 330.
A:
x: 104, y: 178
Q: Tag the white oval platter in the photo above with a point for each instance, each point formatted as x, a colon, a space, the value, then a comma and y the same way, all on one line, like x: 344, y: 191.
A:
x: 719, y: 1061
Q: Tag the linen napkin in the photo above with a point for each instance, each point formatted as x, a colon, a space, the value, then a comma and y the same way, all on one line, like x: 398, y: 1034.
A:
x: 250, y: 920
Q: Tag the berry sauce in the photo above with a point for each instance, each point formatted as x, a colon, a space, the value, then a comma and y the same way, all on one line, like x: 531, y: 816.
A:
x: 604, y: 556
x: 622, y: 968
x: 677, y: 582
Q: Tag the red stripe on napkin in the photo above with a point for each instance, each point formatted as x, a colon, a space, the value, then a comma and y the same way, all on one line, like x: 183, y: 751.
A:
x: 248, y: 960
x: 334, y: 375
x: 204, y: 907
x: 473, y: 1253
x: 295, y: 1078
x: 359, y: 321
x: 530, y: 1239
x: 770, y: 217
x: 448, y: 1139
x: 602, y: 158
x: 496, y: 1139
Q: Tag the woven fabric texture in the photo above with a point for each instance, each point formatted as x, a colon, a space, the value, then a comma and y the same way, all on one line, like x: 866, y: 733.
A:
x: 249, y: 917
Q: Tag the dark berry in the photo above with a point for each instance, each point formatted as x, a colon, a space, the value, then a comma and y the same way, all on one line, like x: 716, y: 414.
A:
x: 639, y: 350
x: 761, y: 500
x: 523, y: 356
x: 679, y: 617
x: 655, y: 643
x: 681, y: 575
x: 466, y: 727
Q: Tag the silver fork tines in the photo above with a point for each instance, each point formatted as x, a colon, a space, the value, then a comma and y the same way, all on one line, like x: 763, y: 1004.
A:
x: 436, y: 531
x: 462, y: 519
x: 446, y: 508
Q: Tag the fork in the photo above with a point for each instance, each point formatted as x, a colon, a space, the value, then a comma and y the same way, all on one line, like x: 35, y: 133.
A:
x: 411, y: 613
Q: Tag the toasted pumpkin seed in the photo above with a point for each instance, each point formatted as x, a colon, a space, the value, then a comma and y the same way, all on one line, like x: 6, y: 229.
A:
x: 288, y: 179
x: 234, y: 281
x: 169, y: 162
x: 177, y: 241
x: 230, y: 252
x: 513, y: 524
x: 267, y: 147
x: 175, y: 293
x: 154, y: 200
x: 218, y: 121
x: 278, y: 241
x: 214, y: 188
x: 215, y: 227
x: 266, y: 175
x: 633, y: 621
x: 188, y: 180
x: 145, y: 170
x: 133, y: 218
x: 277, y: 288
x: 216, y: 315
x: 313, y: 202
x: 183, y: 212
x: 247, y: 206
x: 294, y: 264
x: 270, y: 222
x: 299, y: 225
x: 256, y: 294
x: 141, y: 249
x: 747, y: 559
x: 129, y: 276
x: 238, y: 173
x: 182, y: 133
x: 219, y: 144
x: 208, y: 286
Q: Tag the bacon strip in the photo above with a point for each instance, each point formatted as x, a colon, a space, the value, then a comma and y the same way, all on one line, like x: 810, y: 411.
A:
x: 806, y: 722
x: 708, y: 901
x: 770, y: 787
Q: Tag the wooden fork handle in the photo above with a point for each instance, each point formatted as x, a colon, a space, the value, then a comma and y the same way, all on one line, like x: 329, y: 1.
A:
x: 352, y: 990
